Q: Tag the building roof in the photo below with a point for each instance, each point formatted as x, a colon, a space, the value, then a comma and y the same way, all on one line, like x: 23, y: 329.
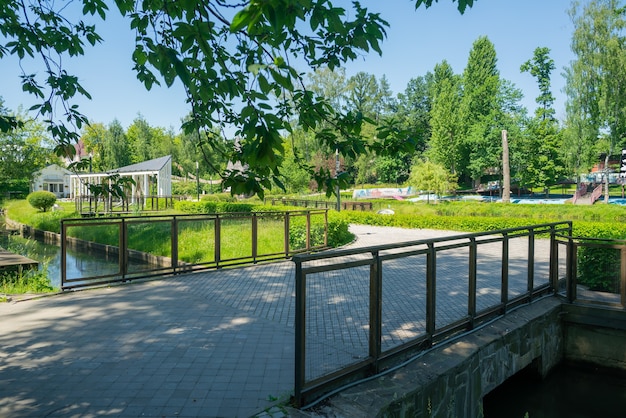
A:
x: 151, y: 165
x: 52, y: 167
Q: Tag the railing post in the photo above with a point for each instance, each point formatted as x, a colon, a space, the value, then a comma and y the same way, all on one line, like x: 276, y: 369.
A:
x: 571, y: 269
x: 326, y: 228
x: 174, y: 243
x: 431, y: 269
x: 504, y: 296
x: 218, y: 239
x: 300, y: 325
x: 554, y: 258
x: 123, y: 255
x: 623, y: 276
x: 63, y: 253
x: 531, y: 263
x: 308, y: 230
x: 255, y: 236
x: 376, y: 293
x: 471, y: 302
x: 287, y: 234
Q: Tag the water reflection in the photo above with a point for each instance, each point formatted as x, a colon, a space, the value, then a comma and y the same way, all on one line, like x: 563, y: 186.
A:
x: 567, y: 392
x: 80, y: 263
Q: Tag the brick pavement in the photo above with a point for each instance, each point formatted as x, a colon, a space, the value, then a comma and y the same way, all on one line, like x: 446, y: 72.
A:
x: 208, y: 344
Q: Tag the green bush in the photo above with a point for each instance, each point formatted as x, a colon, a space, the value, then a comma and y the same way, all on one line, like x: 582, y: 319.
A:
x: 194, y: 207
x: 219, y: 197
x: 25, y: 281
x: 599, y: 268
x: 212, y: 206
x: 338, y: 233
x: 41, y: 200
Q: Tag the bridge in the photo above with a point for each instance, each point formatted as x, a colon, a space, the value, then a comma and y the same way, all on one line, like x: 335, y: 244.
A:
x: 214, y: 343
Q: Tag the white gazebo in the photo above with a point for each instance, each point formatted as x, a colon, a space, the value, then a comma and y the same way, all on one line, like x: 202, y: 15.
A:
x: 151, y: 178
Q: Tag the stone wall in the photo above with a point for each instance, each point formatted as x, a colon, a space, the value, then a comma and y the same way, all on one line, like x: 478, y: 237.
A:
x: 596, y: 336
x: 451, y: 380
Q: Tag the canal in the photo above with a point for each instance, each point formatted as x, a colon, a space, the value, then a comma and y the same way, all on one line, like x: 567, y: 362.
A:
x: 79, y: 264
x: 567, y: 392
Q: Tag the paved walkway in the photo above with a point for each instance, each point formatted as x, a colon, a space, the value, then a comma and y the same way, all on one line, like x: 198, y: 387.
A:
x: 208, y: 344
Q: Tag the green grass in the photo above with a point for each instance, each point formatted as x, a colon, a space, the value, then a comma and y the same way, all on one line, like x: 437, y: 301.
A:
x: 598, y: 212
x: 21, y: 211
x: 24, y: 281
x: 196, y: 238
x: 20, y: 281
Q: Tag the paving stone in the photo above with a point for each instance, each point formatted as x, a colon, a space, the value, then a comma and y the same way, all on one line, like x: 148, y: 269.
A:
x: 217, y: 343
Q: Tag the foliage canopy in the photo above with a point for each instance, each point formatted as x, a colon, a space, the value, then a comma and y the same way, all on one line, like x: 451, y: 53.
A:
x: 238, y: 63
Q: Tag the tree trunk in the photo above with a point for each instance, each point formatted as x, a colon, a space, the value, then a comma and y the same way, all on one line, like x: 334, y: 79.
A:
x: 606, y: 178
x: 506, y: 171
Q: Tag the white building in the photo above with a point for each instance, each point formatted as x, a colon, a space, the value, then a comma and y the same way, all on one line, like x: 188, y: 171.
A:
x: 52, y: 178
x: 151, y: 178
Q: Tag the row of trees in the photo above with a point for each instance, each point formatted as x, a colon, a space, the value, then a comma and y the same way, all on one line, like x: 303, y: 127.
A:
x: 235, y: 64
x: 453, y: 120
x: 22, y: 152
x: 112, y: 146
x: 456, y: 120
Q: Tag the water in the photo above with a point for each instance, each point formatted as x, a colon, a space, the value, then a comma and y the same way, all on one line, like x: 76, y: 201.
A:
x: 49, y: 258
x: 567, y: 392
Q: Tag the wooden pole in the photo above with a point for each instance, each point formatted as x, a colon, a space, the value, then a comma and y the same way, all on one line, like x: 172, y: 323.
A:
x: 506, y: 170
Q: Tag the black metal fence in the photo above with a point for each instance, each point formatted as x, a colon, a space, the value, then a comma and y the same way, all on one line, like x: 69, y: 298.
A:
x: 596, y: 271
x: 89, y: 206
x: 348, y: 205
x: 359, y: 311
x: 126, y: 248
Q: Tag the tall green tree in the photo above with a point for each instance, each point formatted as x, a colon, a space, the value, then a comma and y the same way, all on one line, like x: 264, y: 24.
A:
x: 222, y: 53
x: 362, y: 92
x: 139, y: 136
x: 480, y: 111
x: 599, y: 44
x: 580, y: 131
x: 413, y: 110
x: 541, y: 67
x: 25, y: 149
x: 115, y: 149
x: 93, y: 138
x: 445, y: 146
x: 541, y: 152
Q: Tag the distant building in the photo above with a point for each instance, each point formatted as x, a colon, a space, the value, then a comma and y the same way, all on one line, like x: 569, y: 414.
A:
x: 52, y: 178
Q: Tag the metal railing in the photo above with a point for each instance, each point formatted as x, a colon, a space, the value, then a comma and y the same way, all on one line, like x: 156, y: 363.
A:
x: 89, y: 205
x: 362, y: 310
x: 597, y: 192
x: 126, y: 248
x: 349, y: 205
x: 596, y: 271
x: 580, y: 192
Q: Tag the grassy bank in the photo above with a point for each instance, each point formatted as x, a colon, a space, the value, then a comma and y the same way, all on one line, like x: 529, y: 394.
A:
x: 597, y: 221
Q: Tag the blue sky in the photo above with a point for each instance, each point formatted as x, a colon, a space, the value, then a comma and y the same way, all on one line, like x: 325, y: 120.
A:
x: 416, y: 41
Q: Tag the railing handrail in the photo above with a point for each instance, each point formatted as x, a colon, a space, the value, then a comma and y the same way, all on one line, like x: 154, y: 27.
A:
x: 307, y: 389
x: 190, y: 215
x: 302, y: 258
x: 174, y: 267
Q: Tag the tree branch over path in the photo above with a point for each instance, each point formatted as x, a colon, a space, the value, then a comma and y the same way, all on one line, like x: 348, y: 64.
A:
x: 241, y: 64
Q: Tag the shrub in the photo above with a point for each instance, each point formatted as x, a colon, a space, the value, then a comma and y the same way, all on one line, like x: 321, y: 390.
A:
x: 338, y: 233
x: 599, y: 268
x: 203, y: 206
x: 41, y: 200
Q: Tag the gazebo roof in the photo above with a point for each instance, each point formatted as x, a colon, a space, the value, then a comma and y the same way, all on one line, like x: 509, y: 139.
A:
x: 151, y: 165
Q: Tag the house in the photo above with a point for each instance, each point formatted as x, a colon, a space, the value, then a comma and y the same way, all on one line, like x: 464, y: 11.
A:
x: 52, y: 178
